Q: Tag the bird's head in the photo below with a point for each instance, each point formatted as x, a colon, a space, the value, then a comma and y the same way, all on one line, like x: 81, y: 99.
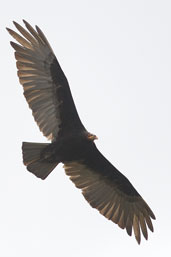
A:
x: 91, y: 137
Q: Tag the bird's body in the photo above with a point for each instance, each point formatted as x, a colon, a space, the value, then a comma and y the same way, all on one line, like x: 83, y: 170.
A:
x: 47, y: 92
x: 69, y: 148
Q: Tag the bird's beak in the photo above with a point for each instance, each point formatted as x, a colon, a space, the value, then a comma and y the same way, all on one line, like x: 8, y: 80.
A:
x: 92, y: 137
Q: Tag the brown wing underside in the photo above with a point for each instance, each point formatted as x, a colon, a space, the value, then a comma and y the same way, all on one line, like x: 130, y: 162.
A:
x: 45, y: 86
x: 105, y: 194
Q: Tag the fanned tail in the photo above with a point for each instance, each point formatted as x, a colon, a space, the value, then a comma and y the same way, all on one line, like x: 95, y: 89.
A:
x: 32, y: 158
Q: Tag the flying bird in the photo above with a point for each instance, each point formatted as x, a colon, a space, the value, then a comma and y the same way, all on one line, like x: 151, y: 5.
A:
x: 47, y: 93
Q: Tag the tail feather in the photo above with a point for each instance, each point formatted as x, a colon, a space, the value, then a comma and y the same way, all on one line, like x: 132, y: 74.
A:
x: 34, y: 161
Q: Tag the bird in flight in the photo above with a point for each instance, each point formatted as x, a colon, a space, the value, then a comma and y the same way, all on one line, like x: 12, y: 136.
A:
x: 48, y: 95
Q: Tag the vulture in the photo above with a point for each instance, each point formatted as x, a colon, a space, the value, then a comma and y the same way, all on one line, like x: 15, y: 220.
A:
x: 48, y: 95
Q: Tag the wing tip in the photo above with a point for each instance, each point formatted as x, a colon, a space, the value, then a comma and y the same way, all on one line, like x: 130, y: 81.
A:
x: 9, y: 30
x: 25, y: 22
x: 153, y: 216
x: 15, y: 23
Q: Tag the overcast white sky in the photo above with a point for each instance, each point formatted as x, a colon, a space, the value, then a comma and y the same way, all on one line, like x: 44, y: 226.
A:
x: 117, y: 58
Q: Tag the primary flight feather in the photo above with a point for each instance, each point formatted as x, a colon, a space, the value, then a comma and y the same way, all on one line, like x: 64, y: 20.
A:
x: 47, y: 92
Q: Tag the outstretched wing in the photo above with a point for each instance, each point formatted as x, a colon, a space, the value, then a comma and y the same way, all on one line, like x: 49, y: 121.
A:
x: 110, y: 192
x: 45, y: 86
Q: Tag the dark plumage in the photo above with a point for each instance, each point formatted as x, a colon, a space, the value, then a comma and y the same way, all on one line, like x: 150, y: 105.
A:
x: 47, y: 92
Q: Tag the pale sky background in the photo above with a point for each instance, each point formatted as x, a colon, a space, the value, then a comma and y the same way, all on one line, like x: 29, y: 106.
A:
x: 117, y: 58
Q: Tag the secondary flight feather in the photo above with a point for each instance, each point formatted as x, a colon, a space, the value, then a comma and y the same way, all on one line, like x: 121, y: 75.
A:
x: 47, y: 93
